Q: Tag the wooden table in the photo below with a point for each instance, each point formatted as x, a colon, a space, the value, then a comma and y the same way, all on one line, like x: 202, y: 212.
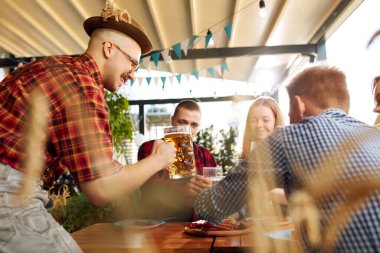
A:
x: 107, y: 238
x: 170, y: 237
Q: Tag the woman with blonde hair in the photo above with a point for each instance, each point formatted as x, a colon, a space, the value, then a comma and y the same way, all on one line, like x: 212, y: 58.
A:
x: 263, y: 117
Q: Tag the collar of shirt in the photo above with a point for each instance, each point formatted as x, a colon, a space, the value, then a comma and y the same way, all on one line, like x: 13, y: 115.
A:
x: 93, y: 69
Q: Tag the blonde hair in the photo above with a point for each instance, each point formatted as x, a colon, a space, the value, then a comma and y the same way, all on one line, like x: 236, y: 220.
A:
x: 248, y: 133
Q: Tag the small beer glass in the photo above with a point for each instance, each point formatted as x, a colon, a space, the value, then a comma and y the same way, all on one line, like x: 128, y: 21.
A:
x: 184, y: 165
x: 213, y: 174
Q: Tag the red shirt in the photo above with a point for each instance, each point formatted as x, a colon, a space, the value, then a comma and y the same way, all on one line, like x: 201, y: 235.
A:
x: 164, y: 197
x: 79, y: 135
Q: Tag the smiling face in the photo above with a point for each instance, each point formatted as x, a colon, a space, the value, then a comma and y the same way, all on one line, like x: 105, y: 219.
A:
x: 121, y: 65
x: 261, y: 122
x: 187, y: 117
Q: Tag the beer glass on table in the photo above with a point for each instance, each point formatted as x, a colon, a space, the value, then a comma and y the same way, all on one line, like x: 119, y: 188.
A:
x: 184, y: 165
x: 213, y: 174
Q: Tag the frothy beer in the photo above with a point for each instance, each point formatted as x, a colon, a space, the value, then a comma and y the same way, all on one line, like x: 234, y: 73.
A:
x: 184, y: 165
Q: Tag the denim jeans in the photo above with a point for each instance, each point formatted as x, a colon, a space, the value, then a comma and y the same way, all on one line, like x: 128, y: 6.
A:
x: 28, y: 227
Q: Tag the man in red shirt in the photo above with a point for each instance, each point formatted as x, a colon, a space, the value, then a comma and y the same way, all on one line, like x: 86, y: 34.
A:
x: 77, y: 135
x: 164, y: 197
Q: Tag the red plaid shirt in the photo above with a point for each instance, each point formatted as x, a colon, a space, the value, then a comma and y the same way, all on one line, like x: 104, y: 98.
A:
x: 79, y: 133
x: 175, y: 202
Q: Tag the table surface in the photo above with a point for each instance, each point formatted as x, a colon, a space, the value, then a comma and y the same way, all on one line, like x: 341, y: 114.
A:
x: 169, y: 237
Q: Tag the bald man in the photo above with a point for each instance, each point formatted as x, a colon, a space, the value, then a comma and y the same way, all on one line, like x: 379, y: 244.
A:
x: 77, y: 136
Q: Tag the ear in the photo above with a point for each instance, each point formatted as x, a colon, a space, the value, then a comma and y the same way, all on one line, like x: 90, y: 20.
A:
x: 300, y: 106
x: 107, y: 49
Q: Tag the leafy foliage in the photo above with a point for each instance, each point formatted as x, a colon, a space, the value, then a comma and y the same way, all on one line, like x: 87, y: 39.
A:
x: 79, y: 213
x: 120, y: 120
x: 222, y: 145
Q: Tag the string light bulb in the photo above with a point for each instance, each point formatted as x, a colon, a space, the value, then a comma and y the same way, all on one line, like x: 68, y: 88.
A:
x: 262, y: 10
x: 211, y: 41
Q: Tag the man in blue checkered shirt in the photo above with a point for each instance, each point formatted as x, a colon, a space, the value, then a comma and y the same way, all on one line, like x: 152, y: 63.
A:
x: 321, y: 140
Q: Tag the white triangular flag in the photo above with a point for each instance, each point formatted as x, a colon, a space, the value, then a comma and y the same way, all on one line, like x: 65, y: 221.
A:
x: 202, y: 73
x: 170, y: 79
x: 166, y: 56
x: 216, y: 37
x: 185, y: 45
x: 155, y: 79
x: 145, y: 62
x: 218, y: 70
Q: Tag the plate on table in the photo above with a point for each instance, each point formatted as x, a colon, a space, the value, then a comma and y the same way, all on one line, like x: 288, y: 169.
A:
x: 282, y: 234
x: 226, y: 228
x: 139, y: 223
x: 212, y: 233
x: 274, y: 221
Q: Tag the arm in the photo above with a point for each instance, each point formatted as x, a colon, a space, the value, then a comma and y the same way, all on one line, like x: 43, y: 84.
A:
x: 227, y: 197
x: 130, y: 177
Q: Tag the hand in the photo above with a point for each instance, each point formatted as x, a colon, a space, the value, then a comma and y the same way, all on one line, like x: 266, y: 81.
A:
x: 166, y: 153
x: 196, y: 185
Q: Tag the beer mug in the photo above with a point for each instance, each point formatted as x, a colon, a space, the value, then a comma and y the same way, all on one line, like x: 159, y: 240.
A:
x: 184, y: 165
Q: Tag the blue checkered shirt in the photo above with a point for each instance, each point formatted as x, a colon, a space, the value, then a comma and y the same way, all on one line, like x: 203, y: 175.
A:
x: 294, y: 153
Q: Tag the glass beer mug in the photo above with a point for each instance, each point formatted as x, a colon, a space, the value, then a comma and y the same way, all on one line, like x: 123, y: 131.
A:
x: 184, y: 165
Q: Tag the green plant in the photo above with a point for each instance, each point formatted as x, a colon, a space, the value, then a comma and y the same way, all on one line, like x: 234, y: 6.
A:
x: 222, y: 145
x: 120, y: 120
x: 79, y: 213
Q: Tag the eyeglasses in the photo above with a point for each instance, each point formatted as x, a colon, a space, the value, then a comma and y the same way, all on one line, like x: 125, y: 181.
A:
x: 134, y: 63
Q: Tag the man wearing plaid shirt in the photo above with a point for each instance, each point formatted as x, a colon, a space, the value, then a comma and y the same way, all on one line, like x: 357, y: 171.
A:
x: 322, y: 145
x: 78, y: 135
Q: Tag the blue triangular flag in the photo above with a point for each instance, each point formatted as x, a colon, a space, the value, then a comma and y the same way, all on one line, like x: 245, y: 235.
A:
x: 163, y: 79
x: 178, y: 78
x: 195, y: 73
x: 224, y: 66
x: 192, y: 40
x: 156, y: 57
x: 207, y: 40
x: 132, y: 81
x: 211, y: 71
x: 228, y: 29
x: 148, y: 79
x: 177, y: 50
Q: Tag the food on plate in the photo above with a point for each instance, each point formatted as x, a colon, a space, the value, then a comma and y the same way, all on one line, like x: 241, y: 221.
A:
x: 227, y: 224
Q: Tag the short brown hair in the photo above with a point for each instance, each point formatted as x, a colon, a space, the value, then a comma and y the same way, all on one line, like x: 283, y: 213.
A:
x: 324, y: 86
x: 187, y: 104
x: 376, y: 79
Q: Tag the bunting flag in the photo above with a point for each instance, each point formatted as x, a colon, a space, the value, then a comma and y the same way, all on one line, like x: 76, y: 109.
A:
x: 163, y: 80
x: 224, y: 66
x: 148, y: 79
x: 165, y: 55
x: 211, y: 71
x: 177, y: 50
x: 202, y: 72
x: 228, y: 29
x: 216, y: 37
x: 185, y: 45
x: 207, y: 39
x: 193, y: 40
x: 132, y: 82
x: 156, y: 79
x: 218, y: 70
x: 170, y: 79
x: 195, y: 73
x: 156, y: 57
x: 145, y: 61
x: 178, y: 78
